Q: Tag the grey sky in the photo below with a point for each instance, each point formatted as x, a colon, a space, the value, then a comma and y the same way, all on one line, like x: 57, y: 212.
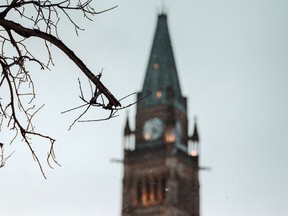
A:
x: 232, y: 60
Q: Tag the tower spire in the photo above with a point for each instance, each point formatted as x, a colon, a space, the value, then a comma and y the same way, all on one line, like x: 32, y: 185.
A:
x: 161, y: 138
x: 195, y: 136
x: 127, y: 135
x: 193, y: 147
x: 161, y: 80
x: 127, y: 130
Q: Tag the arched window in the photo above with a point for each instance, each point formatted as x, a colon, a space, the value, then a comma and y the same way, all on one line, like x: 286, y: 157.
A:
x: 139, y: 192
x: 150, y: 191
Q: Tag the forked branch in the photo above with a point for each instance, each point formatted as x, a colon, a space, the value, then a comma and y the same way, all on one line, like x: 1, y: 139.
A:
x: 34, y: 19
x: 94, y: 101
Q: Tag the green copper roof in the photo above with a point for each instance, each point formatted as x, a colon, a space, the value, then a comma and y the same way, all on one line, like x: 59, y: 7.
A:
x: 161, y: 81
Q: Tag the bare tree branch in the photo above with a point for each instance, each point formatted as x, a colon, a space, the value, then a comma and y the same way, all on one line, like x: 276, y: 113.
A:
x: 26, y: 32
x: 38, y: 19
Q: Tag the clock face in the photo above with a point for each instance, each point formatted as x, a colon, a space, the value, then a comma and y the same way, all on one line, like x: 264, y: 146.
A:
x: 153, y: 129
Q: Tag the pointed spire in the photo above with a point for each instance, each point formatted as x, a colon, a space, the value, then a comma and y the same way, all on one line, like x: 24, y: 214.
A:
x: 128, y: 146
x: 193, y: 146
x: 195, y: 136
x: 161, y: 81
x: 127, y: 130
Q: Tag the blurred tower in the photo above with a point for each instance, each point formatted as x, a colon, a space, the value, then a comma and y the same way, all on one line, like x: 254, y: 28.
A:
x: 161, y: 167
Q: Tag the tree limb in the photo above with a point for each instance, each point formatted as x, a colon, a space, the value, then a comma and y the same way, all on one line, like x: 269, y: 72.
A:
x: 26, y: 32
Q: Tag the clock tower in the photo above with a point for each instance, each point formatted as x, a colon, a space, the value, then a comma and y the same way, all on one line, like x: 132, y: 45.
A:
x: 161, y: 167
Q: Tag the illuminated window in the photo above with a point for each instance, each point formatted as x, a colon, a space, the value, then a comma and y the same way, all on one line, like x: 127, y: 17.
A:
x: 194, y: 153
x: 150, y: 191
x: 147, y: 136
x: 193, y: 149
x: 155, y: 66
x: 170, y: 135
x: 158, y: 94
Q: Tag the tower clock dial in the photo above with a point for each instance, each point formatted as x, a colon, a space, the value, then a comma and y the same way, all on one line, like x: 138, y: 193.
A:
x: 153, y: 129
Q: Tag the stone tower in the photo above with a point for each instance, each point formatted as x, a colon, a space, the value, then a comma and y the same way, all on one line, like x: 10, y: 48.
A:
x: 161, y: 167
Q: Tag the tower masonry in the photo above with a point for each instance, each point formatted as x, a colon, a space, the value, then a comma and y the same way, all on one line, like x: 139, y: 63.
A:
x: 161, y: 167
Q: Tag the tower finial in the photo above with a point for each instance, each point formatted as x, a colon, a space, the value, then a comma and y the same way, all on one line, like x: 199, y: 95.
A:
x: 193, y: 147
x: 162, y: 10
x: 127, y: 130
x: 195, y: 136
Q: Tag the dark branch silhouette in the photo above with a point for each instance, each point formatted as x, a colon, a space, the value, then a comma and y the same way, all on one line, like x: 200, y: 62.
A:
x: 94, y: 102
x: 35, y: 19
x: 3, y: 159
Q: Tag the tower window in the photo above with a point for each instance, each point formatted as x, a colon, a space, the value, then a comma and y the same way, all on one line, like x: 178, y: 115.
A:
x: 150, y: 191
x: 193, y: 149
x: 158, y: 94
x: 170, y: 135
x: 155, y: 66
x: 194, y: 153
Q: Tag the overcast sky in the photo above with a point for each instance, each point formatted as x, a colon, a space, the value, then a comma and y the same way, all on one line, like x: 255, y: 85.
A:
x: 232, y: 60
